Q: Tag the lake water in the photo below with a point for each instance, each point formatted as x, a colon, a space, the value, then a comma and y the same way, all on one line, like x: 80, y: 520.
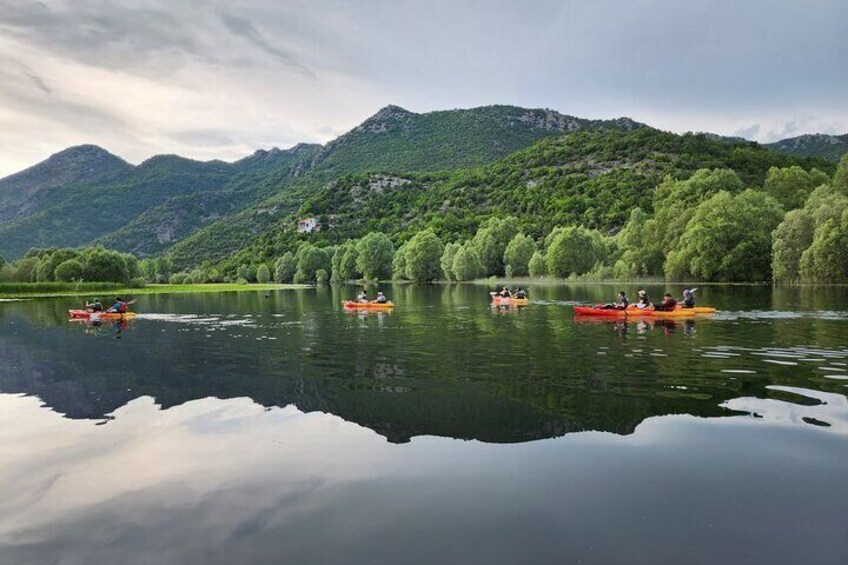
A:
x: 241, y: 428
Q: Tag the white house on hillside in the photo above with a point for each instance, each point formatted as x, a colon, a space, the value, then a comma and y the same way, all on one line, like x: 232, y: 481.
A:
x: 308, y: 225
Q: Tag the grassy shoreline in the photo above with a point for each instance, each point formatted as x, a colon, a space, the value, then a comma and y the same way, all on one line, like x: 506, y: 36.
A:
x: 40, y: 290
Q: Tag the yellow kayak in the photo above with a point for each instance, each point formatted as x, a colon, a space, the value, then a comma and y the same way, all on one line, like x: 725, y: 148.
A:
x: 499, y: 301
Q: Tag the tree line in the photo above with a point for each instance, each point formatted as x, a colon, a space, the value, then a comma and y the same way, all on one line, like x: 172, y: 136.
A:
x: 62, y: 264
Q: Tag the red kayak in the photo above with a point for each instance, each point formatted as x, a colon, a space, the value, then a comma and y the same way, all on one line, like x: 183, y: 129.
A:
x: 633, y: 312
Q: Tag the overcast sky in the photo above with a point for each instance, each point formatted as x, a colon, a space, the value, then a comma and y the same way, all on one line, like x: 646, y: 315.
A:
x: 215, y: 79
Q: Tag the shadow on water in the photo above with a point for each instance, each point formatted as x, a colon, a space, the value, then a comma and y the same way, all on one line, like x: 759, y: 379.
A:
x: 443, y: 362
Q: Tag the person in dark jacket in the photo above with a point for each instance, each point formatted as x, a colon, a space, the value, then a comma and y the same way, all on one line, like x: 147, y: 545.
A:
x: 667, y: 305
x: 688, y: 299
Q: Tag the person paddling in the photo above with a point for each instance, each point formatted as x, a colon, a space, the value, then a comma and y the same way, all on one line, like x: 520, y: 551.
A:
x: 520, y: 294
x: 363, y: 296
x: 667, y: 305
x: 119, y: 307
x: 643, y: 302
x: 505, y: 293
x: 621, y: 302
x: 381, y: 298
x: 95, y: 306
x: 688, y: 299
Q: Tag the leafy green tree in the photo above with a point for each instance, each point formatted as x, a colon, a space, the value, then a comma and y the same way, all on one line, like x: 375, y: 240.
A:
x: 48, y: 262
x: 263, y: 274
x: 180, y: 278
x: 573, y: 250
x: 631, y: 241
x: 285, y: 268
x: 448, y: 258
x: 423, y: 254
x: 70, y: 270
x: 375, y: 253
x: 491, y: 241
x: 311, y: 259
x: 247, y: 273
x: 25, y: 269
x: 826, y: 260
x: 728, y: 239
x: 840, y: 177
x: 321, y: 276
x: 399, y: 263
x: 792, y: 185
x: 538, y: 266
x: 518, y: 253
x: 163, y: 269
x: 789, y: 241
x: 195, y: 276
x: 467, y: 264
x: 104, y: 265
x: 675, y: 202
x: 348, y: 265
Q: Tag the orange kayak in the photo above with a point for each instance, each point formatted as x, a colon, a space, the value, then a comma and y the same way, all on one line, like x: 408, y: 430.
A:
x: 85, y: 314
x: 633, y: 312
x: 500, y: 301
x: 354, y: 305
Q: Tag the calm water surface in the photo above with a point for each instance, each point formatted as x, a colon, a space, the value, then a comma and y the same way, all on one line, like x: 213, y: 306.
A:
x: 245, y: 428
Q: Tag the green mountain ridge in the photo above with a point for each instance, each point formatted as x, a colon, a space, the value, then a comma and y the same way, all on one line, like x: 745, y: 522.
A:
x: 207, y: 211
x: 830, y: 147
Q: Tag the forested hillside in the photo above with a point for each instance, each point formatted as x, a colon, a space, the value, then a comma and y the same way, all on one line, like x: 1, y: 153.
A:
x: 148, y: 208
x: 593, y: 179
x: 830, y: 147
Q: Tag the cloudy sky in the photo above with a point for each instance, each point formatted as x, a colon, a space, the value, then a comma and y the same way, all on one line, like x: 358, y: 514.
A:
x: 219, y: 79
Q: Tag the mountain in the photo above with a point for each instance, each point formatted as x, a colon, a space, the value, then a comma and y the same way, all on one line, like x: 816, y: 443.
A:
x: 259, y: 175
x: 78, y: 209
x: 395, y: 139
x: 831, y: 147
x: 167, y: 199
x: 24, y: 191
x: 207, y: 211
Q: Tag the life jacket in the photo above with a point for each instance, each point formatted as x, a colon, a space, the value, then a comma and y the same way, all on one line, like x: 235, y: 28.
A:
x: 122, y: 307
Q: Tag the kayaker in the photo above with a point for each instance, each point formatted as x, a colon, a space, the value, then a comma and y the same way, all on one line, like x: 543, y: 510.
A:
x: 521, y: 294
x: 643, y: 301
x: 381, y: 298
x: 505, y: 293
x: 688, y: 299
x: 363, y: 296
x: 621, y: 302
x: 95, y: 306
x: 119, y: 307
x: 667, y: 305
